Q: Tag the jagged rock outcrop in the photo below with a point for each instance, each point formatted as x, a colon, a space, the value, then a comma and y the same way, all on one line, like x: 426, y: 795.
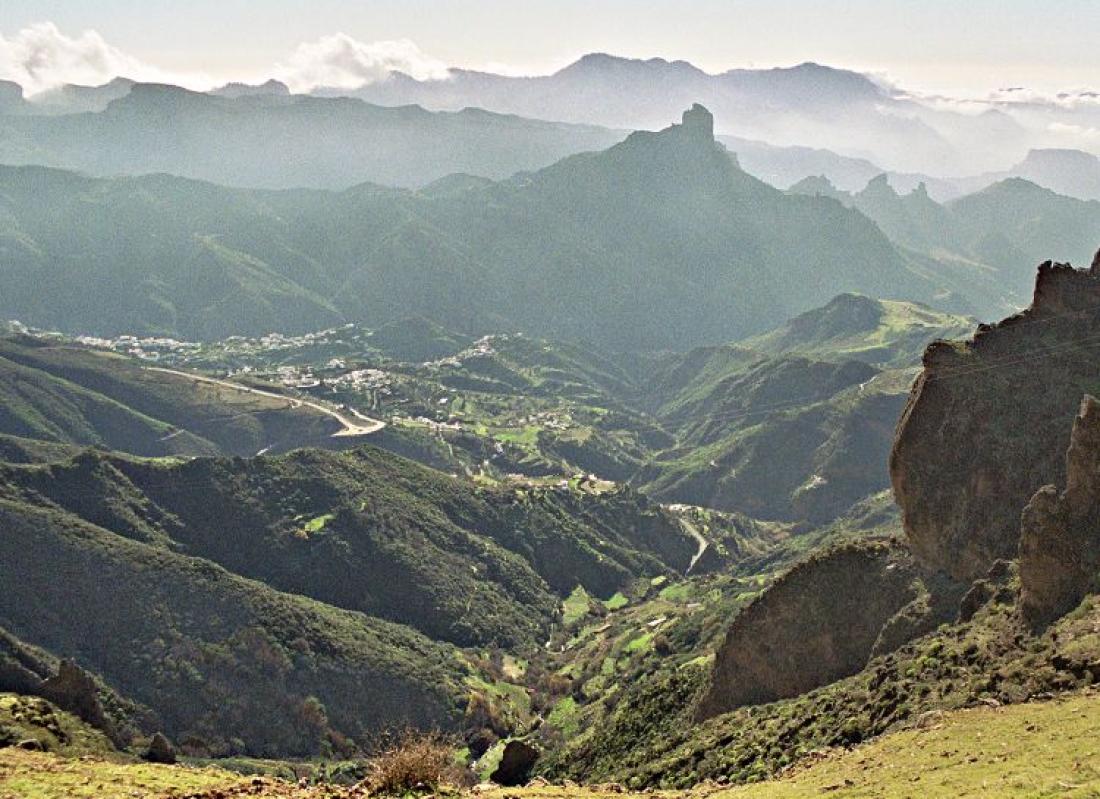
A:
x: 820, y: 622
x: 987, y: 421
x: 74, y: 690
x: 699, y: 122
x: 1060, y: 533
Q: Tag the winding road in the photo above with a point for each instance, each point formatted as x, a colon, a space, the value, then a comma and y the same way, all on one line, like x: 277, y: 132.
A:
x: 362, y: 426
x: 703, y: 543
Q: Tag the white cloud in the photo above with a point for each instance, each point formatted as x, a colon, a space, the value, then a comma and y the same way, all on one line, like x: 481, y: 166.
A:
x: 41, y: 57
x: 341, y: 62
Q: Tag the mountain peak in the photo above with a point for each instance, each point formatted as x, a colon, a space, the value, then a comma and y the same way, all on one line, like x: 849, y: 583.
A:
x: 10, y: 91
x: 606, y: 63
x: 698, y: 121
x: 268, y: 88
x: 879, y: 187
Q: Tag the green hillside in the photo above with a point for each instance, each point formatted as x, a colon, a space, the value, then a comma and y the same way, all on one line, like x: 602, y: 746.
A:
x: 269, y: 605
x: 796, y: 423
x: 57, y: 392
x: 810, y: 456
x: 879, y: 332
x: 1029, y: 750
x: 661, y: 227
x: 793, y: 424
x: 217, y: 656
x: 372, y: 532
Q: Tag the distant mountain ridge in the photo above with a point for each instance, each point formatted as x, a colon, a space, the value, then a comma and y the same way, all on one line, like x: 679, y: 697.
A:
x: 263, y: 137
x: 1073, y: 173
x: 785, y: 105
x: 807, y: 105
x: 786, y: 123
x: 1006, y: 224
x: 662, y: 226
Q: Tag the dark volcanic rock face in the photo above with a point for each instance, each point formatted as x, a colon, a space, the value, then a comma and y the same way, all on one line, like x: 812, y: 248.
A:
x: 1060, y: 536
x: 516, y: 763
x: 819, y: 623
x: 987, y: 421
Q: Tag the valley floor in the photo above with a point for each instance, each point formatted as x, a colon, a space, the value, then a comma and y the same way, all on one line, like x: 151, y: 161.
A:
x: 1038, y: 749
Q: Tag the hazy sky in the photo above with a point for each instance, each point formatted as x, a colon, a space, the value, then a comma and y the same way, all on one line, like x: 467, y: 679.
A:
x: 961, y: 46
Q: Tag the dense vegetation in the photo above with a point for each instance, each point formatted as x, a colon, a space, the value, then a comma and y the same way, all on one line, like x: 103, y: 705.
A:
x: 221, y: 658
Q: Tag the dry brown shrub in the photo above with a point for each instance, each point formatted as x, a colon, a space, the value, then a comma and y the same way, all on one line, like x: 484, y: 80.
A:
x: 414, y: 761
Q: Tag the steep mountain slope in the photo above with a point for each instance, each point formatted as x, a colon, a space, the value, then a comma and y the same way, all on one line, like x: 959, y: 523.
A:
x: 663, y: 226
x: 680, y: 232
x: 1018, y: 221
x: 809, y: 457
x: 796, y: 423
x: 280, y: 605
x: 878, y: 332
x: 215, y: 655
x: 942, y: 620
x: 371, y: 532
x: 267, y: 140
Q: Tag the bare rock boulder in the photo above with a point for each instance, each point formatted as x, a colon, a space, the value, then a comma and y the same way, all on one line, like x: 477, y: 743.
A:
x: 820, y: 622
x: 74, y: 690
x: 1060, y: 532
x: 160, y: 750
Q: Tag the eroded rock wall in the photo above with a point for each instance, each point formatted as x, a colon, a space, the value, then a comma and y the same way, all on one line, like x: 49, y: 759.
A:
x: 987, y: 421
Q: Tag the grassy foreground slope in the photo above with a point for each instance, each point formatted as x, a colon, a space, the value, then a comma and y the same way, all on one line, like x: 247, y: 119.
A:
x: 36, y: 775
x: 1037, y: 749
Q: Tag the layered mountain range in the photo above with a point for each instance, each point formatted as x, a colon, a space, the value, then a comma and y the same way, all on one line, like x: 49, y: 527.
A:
x: 809, y: 104
x: 573, y: 443
x: 661, y: 226
x: 785, y: 124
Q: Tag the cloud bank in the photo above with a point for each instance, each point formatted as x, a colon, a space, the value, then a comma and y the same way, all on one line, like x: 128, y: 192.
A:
x: 41, y: 57
x: 341, y: 62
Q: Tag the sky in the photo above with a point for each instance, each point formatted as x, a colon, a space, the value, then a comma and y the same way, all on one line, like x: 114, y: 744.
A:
x: 962, y: 47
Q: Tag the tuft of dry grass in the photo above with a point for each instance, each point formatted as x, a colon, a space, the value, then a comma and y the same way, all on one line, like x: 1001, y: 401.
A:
x: 414, y: 761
